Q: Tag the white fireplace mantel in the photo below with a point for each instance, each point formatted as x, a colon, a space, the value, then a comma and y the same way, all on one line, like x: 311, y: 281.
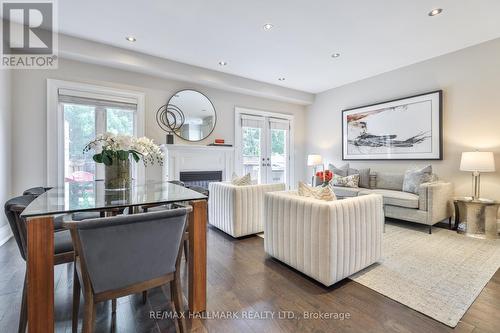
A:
x: 197, y: 158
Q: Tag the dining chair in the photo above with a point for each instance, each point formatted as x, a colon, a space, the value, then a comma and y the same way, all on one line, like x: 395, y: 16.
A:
x: 63, y: 247
x: 36, y: 191
x: 123, y: 255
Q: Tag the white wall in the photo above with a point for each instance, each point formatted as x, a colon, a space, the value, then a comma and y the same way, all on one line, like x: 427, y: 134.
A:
x: 29, y: 113
x: 5, y: 148
x: 470, y: 79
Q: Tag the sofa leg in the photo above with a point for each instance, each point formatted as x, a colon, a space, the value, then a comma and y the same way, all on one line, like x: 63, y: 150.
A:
x: 430, y: 229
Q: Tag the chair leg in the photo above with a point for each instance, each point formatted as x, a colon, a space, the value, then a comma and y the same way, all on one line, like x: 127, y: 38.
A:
x: 176, y: 294
x: 89, y: 314
x: 76, y: 301
x: 144, y: 296
x: 23, y: 317
x: 449, y: 223
x: 430, y: 229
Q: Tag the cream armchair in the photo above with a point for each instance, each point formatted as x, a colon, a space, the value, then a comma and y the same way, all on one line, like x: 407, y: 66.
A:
x: 326, y: 240
x: 237, y: 210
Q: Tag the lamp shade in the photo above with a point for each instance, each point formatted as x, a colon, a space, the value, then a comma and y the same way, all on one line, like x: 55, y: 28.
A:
x: 482, y: 161
x: 313, y: 160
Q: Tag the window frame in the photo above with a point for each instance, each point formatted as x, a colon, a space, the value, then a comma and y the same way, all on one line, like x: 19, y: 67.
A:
x: 55, y: 122
x: 238, y: 149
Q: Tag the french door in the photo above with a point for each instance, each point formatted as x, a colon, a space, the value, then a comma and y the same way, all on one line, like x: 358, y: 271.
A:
x: 264, y: 148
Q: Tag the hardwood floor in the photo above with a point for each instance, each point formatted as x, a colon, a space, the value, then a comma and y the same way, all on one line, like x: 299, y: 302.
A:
x: 242, y: 278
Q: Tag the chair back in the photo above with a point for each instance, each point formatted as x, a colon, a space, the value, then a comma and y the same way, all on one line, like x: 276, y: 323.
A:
x: 117, y: 252
x: 36, y: 191
x: 13, y: 209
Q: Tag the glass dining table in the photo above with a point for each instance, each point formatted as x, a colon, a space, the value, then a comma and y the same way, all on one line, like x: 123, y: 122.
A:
x: 76, y: 197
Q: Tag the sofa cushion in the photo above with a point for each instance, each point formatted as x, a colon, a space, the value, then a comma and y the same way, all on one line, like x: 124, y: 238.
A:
x: 319, y: 192
x: 395, y: 198
x: 347, y: 181
x: 390, y: 181
x: 414, y: 177
x: 342, y: 171
x: 241, y: 181
x: 346, y: 191
x: 364, y: 176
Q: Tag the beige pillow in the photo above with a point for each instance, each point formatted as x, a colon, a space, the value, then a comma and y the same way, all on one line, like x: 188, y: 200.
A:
x: 241, y: 181
x: 349, y: 181
x: 319, y: 192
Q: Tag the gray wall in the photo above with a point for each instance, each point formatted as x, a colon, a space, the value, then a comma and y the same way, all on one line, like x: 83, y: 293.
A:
x: 29, y: 116
x: 470, y: 79
x: 5, y: 147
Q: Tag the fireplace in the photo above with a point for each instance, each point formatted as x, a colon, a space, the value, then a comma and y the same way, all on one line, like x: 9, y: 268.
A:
x: 200, y: 178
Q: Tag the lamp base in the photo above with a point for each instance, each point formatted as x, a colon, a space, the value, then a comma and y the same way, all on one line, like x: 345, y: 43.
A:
x: 476, y: 186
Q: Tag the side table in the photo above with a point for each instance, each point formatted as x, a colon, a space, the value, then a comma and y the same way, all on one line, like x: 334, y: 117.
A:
x: 476, y: 218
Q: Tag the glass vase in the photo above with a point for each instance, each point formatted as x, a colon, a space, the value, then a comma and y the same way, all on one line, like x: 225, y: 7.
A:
x: 117, y: 175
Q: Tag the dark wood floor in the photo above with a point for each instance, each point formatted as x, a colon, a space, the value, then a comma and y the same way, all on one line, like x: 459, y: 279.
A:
x: 242, y: 278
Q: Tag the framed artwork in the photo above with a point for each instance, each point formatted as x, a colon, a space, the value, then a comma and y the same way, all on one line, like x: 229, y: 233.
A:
x: 403, y: 129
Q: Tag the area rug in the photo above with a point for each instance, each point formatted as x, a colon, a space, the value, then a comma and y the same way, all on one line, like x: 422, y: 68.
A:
x: 439, y: 275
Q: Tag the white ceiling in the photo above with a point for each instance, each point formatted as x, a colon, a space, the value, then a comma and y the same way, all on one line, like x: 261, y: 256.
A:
x: 372, y: 36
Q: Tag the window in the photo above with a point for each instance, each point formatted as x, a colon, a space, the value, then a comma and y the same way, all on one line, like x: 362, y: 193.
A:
x: 83, y: 119
x: 82, y: 112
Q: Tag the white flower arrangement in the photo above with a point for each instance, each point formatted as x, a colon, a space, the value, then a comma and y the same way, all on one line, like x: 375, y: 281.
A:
x: 109, y: 147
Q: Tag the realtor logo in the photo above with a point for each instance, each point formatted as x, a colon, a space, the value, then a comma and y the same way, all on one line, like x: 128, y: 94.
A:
x: 29, y: 39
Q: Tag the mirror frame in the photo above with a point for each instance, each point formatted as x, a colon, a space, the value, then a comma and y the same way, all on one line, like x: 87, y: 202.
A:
x: 215, y: 115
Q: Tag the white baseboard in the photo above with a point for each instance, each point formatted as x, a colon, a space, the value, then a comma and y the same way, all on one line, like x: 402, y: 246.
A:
x: 5, y: 234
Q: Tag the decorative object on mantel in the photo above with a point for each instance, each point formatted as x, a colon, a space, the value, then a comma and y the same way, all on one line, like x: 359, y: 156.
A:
x: 189, y: 115
x: 477, y: 162
x: 315, y: 160
x: 114, y: 152
x: 220, y: 143
x: 403, y: 129
x: 170, y: 118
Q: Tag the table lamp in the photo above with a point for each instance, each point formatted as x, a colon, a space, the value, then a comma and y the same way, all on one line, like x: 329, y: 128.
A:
x: 314, y: 161
x: 477, y: 162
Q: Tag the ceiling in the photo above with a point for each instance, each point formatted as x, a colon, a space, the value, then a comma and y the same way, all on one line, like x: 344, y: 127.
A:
x: 372, y: 36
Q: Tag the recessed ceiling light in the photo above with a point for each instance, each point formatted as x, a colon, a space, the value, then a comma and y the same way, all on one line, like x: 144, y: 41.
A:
x: 222, y: 63
x: 335, y: 55
x: 435, y: 12
x: 131, y: 38
x: 268, y: 26
x: 281, y: 79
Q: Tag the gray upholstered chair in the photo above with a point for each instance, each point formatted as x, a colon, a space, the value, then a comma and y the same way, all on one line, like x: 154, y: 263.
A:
x: 128, y: 254
x: 36, y: 191
x: 63, y: 247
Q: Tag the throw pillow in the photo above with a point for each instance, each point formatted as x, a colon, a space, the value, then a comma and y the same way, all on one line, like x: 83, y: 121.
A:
x: 324, y: 193
x: 348, y: 181
x: 241, y: 181
x: 342, y: 171
x: 414, y: 177
x: 364, y: 176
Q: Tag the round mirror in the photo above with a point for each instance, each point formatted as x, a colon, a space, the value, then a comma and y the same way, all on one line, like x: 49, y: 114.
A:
x: 191, y: 115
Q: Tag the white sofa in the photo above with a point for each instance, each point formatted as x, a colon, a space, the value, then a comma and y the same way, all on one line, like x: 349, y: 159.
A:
x: 327, y: 241
x: 237, y: 210
x: 431, y: 205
